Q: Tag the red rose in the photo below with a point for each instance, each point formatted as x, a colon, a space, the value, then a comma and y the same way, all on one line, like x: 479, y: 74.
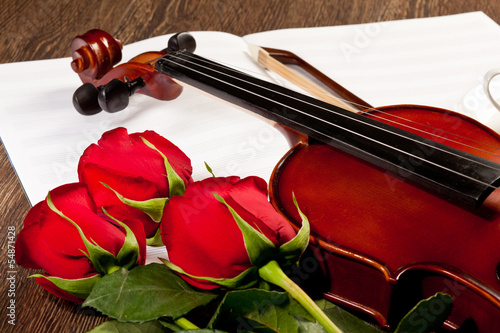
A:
x: 133, y: 169
x: 224, y: 232
x: 51, y: 242
x: 200, y: 232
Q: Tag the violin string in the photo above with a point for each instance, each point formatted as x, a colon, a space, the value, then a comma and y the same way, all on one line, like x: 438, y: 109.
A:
x: 322, y: 93
x: 315, y: 117
x: 171, y: 55
x: 389, y: 114
x: 187, y: 54
x: 436, y: 135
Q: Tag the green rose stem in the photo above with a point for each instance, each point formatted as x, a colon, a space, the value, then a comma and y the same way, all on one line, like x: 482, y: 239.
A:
x: 185, y: 324
x: 272, y: 272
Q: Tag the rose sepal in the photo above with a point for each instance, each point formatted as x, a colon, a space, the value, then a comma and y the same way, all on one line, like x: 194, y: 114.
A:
x: 291, y: 251
x: 176, y: 185
x: 209, y: 169
x: 244, y: 280
x: 259, y: 248
x: 129, y: 253
x: 155, y: 240
x: 152, y: 207
x: 102, y: 260
x: 80, y: 288
x: 262, y: 254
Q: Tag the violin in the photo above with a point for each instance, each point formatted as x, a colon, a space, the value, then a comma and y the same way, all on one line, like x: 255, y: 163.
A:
x: 402, y: 200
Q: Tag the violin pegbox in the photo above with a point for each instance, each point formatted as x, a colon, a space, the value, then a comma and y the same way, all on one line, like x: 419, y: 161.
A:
x: 109, y: 87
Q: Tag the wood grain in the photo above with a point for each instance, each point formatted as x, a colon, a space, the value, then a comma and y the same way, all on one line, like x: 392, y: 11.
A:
x: 34, y: 29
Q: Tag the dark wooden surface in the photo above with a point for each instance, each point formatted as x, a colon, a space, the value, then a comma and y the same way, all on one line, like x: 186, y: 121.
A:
x: 34, y: 29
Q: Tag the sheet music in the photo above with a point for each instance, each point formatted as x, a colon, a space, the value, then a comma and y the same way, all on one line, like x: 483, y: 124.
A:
x: 432, y: 61
x: 429, y: 61
x: 44, y: 135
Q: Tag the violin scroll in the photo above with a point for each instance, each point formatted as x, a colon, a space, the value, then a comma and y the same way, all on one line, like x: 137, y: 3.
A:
x: 108, y: 87
x: 94, y: 54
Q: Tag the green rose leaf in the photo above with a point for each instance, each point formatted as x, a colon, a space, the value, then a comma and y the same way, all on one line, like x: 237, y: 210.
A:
x: 427, y: 316
x: 204, y: 331
x: 119, y: 327
x: 344, y: 320
x: 257, y: 310
x: 80, y: 288
x: 306, y: 326
x: 145, y: 293
x: 260, y: 249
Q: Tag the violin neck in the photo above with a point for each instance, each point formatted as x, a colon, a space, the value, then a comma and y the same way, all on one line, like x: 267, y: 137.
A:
x: 447, y: 171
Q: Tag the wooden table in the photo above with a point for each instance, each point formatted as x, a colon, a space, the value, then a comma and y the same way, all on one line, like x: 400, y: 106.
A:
x: 36, y: 29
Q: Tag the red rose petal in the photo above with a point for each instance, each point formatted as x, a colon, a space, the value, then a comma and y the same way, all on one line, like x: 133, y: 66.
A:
x: 201, y: 236
x: 73, y: 201
x: 250, y: 194
x: 138, y: 230
x: 134, y: 188
x: 116, y: 150
x: 32, y: 251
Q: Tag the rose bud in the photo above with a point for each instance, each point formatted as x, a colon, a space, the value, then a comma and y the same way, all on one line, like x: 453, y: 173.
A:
x: 75, y: 246
x: 132, y: 175
x: 224, y: 232
x: 203, y: 239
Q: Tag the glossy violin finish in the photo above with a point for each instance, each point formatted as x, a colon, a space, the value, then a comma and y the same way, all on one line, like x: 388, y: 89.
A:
x: 108, y: 88
x: 387, y: 235
x: 385, y: 243
x: 383, y: 237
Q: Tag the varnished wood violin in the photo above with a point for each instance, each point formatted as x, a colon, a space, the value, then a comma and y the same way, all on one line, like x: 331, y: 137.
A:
x: 402, y: 200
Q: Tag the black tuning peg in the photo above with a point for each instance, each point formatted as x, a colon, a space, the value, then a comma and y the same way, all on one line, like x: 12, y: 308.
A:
x: 85, y: 99
x: 112, y: 97
x: 115, y: 95
x: 181, y: 41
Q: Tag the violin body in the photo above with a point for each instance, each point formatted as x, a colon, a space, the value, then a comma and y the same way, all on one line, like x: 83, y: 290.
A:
x: 384, y: 243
